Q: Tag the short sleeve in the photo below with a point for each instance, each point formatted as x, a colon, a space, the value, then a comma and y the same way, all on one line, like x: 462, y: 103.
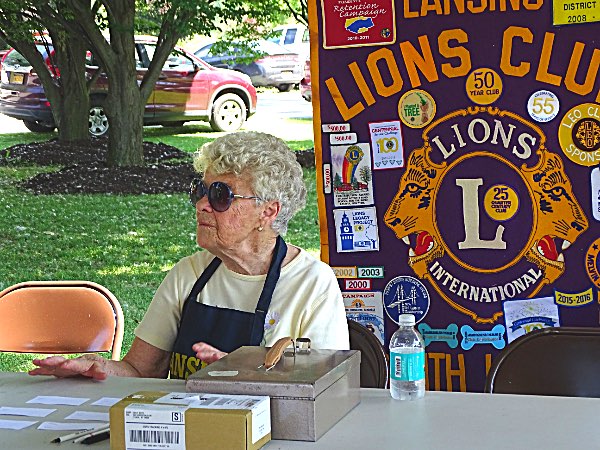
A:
x: 160, y: 324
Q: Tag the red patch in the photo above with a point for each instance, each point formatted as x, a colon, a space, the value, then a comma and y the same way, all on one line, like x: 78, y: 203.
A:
x: 548, y: 247
x: 424, y: 240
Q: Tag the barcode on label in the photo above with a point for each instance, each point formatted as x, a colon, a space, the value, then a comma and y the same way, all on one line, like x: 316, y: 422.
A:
x: 154, y: 436
x: 398, y: 364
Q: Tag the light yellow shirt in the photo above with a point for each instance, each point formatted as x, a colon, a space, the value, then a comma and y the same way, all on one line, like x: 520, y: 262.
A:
x: 307, y: 301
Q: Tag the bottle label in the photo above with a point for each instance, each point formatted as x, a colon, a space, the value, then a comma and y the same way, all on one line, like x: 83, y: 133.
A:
x: 407, y: 366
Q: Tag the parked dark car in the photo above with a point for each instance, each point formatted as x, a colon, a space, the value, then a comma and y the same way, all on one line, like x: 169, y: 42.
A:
x: 277, y: 67
x: 188, y: 89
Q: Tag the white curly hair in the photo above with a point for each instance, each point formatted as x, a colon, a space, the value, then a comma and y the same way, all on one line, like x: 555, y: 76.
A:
x: 274, y: 172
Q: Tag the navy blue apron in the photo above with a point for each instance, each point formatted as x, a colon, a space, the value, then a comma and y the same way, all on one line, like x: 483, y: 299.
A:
x: 223, y: 328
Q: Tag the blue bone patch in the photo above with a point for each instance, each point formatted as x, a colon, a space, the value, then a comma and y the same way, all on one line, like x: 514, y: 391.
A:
x: 495, y: 336
x: 448, y: 335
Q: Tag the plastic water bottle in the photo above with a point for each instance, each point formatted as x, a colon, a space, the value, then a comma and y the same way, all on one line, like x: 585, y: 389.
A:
x: 407, y: 361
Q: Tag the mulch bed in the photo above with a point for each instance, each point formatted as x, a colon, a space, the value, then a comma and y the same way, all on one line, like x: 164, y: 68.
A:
x: 168, y: 170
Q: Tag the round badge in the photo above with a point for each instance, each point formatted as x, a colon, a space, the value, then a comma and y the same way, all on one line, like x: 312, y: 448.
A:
x: 543, y: 106
x: 484, y: 86
x: 416, y: 108
x: 405, y: 295
x: 579, y: 134
x: 354, y: 154
x: 592, y: 265
x: 501, y: 202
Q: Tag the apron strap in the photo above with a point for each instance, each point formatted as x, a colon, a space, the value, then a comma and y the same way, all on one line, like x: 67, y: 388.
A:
x: 204, y: 277
x: 258, y: 324
x: 258, y: 327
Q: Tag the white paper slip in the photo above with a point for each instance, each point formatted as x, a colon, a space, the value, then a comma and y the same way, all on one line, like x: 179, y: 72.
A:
x: 30, y: 412
x: 227, y: 401
x: 179, y: 398
x: 88, y: 415
x: 71, y: 425
x: 15, y: 424
x: 58, y: 400
x: 106, y: 401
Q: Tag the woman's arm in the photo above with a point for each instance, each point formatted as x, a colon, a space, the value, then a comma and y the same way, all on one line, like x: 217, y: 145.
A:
x: 142, y: 360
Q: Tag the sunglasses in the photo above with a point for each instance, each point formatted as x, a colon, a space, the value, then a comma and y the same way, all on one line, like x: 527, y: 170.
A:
x: 220, y: 195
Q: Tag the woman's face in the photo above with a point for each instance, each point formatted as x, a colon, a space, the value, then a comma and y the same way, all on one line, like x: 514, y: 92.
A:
x: 220, y: 231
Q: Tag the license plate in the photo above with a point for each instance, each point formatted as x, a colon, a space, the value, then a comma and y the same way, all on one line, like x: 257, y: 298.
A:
x: 287, y: 74
x: 17, y: 78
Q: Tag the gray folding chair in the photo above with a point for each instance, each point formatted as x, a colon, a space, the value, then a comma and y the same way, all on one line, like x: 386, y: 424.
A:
x: 562, y: 361
x: 373, y: 361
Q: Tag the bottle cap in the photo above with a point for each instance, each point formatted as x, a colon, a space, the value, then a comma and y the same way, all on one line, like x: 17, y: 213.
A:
x: 406, y: 319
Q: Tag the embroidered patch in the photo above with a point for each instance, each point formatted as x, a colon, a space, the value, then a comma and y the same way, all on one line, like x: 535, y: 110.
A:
x: 271, y: 320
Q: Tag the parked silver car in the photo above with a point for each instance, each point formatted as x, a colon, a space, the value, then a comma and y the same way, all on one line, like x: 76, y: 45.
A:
x: 277, y: 67
x: 294, y: 37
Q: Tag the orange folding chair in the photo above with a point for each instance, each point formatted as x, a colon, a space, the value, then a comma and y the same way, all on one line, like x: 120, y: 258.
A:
x: 60, y: 317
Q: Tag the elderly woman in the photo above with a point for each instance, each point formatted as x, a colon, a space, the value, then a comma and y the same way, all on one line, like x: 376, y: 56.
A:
x: 247, y: 287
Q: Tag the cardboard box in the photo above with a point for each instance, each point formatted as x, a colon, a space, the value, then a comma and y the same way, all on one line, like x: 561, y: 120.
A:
x: 180, y: 421
x: 310, y: 392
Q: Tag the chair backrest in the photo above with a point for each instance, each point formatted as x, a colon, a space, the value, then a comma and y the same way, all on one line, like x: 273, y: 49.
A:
x: 562, y: 361
x: 373, y: 362
x: 60, y: 317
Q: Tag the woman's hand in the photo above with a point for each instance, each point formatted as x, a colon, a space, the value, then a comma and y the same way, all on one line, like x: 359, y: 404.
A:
x: 88, y: 366
x: 207, y: 353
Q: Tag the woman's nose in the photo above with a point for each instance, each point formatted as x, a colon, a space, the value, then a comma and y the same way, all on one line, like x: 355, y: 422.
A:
x: 203, y: 204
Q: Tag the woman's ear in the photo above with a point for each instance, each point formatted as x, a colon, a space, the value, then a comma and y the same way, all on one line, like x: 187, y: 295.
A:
x: 269, y: 213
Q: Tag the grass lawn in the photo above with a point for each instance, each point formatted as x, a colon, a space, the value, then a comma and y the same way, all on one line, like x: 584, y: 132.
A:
x: 126, y: 243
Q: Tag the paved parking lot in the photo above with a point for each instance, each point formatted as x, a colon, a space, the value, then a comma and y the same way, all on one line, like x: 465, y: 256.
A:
x: 10, y: 125
x: 271, y: 113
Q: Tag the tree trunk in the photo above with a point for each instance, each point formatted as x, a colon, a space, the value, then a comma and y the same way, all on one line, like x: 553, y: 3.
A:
x: 67, y: 94
x: 125, y: 111
x: 71, y: 109
x: 125, y: 106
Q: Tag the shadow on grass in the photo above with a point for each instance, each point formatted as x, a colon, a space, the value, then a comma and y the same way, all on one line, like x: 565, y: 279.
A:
x: 194, y: 128
x: 301, y: 119
x: 188, y: 137
x: 10, y: 139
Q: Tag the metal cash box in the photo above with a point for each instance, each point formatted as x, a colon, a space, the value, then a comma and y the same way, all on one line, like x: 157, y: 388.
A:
x: 310, y: 391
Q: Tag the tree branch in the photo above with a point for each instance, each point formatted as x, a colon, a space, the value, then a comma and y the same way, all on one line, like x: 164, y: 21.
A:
x: 90, y: 31
x: 301, y: 17
x: 55, y: 16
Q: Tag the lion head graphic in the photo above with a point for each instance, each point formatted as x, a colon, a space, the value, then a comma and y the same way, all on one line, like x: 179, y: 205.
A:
x: 560, y: 219
x: 410, y: 213
x: 552, y: 215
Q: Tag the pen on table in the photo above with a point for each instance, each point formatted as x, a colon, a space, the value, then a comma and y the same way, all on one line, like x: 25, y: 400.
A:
x: 84, y: 433
x: 97, y: 437
x: 88, y: 438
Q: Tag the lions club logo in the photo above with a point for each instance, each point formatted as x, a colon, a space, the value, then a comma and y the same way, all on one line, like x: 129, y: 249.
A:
x: 485, y: 210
